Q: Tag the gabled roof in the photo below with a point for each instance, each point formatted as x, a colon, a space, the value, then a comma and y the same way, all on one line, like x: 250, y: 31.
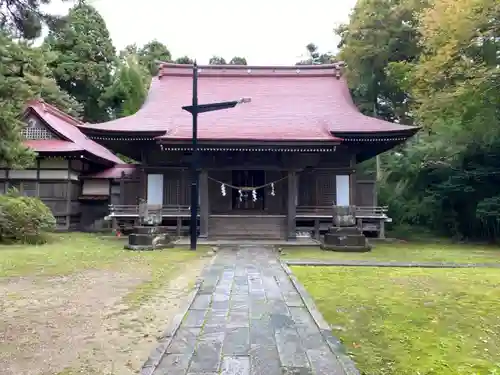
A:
x: 299, y: 103
x: 66, y: 127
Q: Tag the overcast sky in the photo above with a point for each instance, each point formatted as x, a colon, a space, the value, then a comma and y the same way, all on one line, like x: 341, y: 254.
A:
x: 266, y: 32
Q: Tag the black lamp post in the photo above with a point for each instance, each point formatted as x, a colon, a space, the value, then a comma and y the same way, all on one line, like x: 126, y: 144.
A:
x: 195, y: 109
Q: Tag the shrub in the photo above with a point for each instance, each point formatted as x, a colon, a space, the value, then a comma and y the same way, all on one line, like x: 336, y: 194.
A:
x: 24, y: 219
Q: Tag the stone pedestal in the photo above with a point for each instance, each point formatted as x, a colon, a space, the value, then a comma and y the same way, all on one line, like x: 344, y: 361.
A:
x: 349, y: 239
x: 149, y: 238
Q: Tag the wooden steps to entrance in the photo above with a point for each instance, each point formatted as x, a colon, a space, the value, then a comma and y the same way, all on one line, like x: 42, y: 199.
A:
x: 263, y: 227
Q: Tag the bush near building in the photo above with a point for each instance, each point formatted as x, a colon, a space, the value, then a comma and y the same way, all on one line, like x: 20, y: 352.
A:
x: 24, y: 219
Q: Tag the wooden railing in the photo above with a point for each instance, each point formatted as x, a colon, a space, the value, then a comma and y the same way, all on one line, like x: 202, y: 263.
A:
x: 122, y: 210
x: 327, y: 211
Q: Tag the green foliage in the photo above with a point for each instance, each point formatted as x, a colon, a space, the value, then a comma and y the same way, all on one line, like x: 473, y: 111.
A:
x: 217, y: 60
x: 184, y: 60
x: 151, y: 53
x: 315, y: 57
x: 129, y: 89
x: 24, y: 75
x: 24, y: 219
x: 24, y: 19
x: 84, y: 59
x: 380, y: 32
x: 237, y: 60
x: 447, y: 178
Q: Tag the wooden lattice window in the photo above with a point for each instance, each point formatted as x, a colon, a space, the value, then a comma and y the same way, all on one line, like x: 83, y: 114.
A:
x: 34, y: 129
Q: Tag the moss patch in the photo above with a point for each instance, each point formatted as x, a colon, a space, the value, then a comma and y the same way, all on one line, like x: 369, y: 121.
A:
x: 459, y: 253
x: 412, y: 321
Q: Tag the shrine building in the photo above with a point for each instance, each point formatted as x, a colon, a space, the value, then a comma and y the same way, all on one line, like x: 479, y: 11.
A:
x: 271, y: 168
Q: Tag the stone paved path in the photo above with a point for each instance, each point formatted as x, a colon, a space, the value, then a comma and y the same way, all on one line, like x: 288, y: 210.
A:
x: 248, y: 319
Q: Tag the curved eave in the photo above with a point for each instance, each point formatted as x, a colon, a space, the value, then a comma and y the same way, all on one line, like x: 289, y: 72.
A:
x: 378, y: 136
x: 370, y: 145
x: 232, y: 141
x: 79, y: 154
x: 120, y: 135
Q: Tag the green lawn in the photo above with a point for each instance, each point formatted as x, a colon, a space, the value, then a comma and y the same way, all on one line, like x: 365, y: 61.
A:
x: 73, y: 252
x: 447, y: 252
x: 412, y: 321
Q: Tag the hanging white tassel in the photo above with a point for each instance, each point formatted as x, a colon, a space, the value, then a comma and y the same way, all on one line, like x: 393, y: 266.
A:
x: 240, y: 195
x: 223, y: 190
x: 254, y: 195
x: 273, y: 193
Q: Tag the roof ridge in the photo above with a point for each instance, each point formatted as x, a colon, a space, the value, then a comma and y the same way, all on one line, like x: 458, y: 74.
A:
x: 46, y: 107
x: 229, y: 70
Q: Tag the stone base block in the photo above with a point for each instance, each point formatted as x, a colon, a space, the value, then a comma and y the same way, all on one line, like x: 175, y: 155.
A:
x: 345, y: 239
x: 346, y: 249
x: 139, y: 241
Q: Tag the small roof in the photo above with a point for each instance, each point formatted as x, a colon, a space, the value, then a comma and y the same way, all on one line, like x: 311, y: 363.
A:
x: 66, y: 127
x: 52, y: 145
x: 298, y: 103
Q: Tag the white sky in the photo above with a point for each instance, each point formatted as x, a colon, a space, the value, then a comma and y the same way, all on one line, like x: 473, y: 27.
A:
x: 266, y: 32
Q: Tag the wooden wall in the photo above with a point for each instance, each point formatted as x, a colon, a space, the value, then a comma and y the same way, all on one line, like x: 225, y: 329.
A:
x: 54, y: 181
x: 315, y: 188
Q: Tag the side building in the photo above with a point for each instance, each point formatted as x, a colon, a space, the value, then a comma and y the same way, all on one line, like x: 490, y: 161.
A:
x: 76, y: 177
x: 270, y: 168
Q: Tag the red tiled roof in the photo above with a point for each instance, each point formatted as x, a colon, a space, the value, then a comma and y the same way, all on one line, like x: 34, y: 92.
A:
x: 52, y: 145
x: 300, y: 103
x: 67, y: 127
x: 115, y: 172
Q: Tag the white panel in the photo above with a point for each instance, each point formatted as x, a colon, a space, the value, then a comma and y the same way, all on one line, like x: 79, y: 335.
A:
x: 22, y: 174
x: 53, y: 174
x: 73, y: 175
x: 95, y: 187
x: 155, y: 189
x: 343, y: 193
x: 3, y: 173
x: 53, y: 163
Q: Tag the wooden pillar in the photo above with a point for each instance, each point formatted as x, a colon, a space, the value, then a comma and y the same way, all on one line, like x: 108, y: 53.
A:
x: 122, y: 188
x: 204, y: 208
x: 143, y: 182
x: 316, y: 229
x: 179, y: 227
x: 353, y: 181
x: 292, y: 207
x: 114, y: 224
x: 68, y: 197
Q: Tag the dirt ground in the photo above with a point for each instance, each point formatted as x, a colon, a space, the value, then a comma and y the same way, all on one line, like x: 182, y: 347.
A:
x: 78, y: 324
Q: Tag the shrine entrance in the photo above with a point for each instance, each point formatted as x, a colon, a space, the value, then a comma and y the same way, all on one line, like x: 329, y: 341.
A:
x: 247, y: 200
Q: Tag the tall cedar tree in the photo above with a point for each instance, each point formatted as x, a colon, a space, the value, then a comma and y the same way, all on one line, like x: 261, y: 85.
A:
x: 129, y: 89
x: 151, y: 53
x: 379, y: 33
x: 85, y: 58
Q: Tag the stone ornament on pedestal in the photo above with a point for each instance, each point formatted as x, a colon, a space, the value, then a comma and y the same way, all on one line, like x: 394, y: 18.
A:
x: 149, y: 235
x: 346, y: 233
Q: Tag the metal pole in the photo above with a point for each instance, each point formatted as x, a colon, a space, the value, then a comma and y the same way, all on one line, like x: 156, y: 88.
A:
x: 194, y: 163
